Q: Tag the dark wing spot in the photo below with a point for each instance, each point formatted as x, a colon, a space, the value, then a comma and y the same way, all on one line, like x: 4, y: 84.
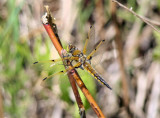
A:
x: 35, y: 62
x: 53, y: 60
x: 90, y: 58
x: 62, y: 71
x: 45, y: 78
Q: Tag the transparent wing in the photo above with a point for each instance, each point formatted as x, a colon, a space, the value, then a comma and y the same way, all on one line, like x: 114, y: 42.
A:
x: 48, y: 65
x: 95, y: 47
x: 90, y: 41
x: 91, y: 35
x: 100, y: 54
x: 60, y: 72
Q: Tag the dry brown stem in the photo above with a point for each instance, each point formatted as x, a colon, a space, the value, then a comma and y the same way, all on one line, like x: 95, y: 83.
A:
x: 146, y: 20
x: 118, y: 41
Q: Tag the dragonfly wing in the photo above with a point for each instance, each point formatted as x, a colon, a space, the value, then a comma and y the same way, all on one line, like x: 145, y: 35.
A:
x: 96, y: 47
x: 89, y: 68
x: 50, y: 64
x: 95, y: 50
x: 90, y: 39
x: 101, y: 53
x: 61, y: 72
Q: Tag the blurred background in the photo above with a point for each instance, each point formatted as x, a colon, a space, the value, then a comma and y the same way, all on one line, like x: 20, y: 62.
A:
x: 130, y: 62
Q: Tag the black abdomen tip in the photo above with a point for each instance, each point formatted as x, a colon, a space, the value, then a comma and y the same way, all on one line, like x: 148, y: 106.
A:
x: 108, y: 86
x: 103, y: 81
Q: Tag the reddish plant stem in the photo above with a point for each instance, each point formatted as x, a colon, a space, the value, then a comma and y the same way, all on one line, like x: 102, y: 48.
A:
x: 59, y: 48
x: 53, y: 38
x: 87, y: 94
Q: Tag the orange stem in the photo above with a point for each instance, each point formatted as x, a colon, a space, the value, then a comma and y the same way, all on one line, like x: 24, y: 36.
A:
x: 73, y: 76
x: 53, y: 38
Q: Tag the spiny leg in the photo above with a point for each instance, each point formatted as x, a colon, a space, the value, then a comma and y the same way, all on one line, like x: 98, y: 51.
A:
x: 91, y: 36
x: 93, y: 52
x: 89, y: 68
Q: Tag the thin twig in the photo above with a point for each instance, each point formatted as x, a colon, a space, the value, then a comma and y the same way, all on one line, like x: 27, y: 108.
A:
x: 140, y: 17
x: 151, y: 21
x: 72, y: 74
x: 118, y: 41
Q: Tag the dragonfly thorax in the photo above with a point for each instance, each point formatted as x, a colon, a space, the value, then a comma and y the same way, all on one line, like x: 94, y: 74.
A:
x: 82, y: 59
x: 74, y: 51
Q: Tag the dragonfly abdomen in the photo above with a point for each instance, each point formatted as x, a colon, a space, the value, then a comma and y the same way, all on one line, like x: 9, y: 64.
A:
x: 99, y: 78
x: 88, y: 67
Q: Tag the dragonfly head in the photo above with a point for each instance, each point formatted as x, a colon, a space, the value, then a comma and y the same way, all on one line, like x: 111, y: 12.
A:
x: 71, y: 48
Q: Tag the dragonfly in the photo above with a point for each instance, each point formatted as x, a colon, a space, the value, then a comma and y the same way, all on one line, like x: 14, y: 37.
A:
x: 79, y: 59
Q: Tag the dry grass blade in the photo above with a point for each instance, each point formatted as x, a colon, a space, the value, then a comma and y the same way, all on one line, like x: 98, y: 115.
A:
x: 140, y: 17
x: 118, y: 41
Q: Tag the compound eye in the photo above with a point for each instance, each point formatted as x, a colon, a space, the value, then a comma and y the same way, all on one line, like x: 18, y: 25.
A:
x: 69, y: 47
